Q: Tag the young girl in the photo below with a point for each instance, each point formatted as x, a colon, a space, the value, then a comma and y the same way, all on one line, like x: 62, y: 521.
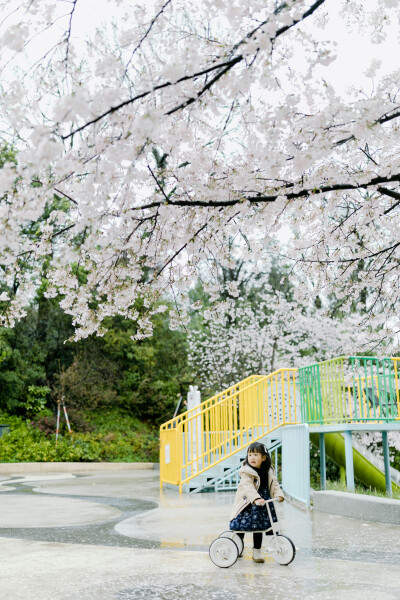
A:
x: 257, y: 484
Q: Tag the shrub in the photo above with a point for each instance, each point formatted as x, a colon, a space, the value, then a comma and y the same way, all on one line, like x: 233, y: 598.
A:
x: 89, y: 380
x: 117, y: 437
x: 47, y: 425
x: 36, y: 399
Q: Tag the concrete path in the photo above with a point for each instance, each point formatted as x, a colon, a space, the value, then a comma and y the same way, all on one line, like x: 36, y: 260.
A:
x: 115, y: 536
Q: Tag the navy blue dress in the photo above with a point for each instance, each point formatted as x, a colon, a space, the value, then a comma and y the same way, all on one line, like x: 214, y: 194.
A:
x: 254, y: 517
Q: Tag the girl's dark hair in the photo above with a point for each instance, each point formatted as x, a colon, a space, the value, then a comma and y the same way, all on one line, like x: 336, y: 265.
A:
x: 261, y: 449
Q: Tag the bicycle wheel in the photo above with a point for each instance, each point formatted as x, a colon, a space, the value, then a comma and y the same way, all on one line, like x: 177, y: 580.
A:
x: 282, y: 549
x: 232, y: 535
x: 223, y: 552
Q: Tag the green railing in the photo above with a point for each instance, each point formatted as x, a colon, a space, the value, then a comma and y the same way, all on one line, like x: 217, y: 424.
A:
x: 375, y: 388
x: 350, y: 389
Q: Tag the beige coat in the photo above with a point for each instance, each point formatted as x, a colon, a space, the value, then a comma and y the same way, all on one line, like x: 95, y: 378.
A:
x: 248, y: 486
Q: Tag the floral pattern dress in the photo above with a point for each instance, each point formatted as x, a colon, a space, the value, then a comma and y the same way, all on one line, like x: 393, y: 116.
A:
x: 254, y: 517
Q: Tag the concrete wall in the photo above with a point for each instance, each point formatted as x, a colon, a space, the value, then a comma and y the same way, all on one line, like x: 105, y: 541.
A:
x: 358, y: 506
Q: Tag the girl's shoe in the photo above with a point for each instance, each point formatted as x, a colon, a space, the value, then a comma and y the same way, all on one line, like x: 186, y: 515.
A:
x: 257, y: 556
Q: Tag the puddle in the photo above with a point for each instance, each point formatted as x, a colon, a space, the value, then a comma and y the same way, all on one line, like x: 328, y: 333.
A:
x: 94, y: 534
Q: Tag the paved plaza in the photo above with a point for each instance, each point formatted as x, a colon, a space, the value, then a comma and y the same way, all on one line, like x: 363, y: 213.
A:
x: 116, y: 536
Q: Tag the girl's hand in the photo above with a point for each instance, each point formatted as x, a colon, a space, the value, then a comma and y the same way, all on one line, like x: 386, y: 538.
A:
x: 259, y: 501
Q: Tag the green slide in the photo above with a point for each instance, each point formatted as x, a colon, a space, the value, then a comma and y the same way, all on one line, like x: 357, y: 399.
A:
x: 364, y: 470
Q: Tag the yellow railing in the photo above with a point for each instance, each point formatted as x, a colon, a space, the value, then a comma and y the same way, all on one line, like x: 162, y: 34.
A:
x: 224, y: 424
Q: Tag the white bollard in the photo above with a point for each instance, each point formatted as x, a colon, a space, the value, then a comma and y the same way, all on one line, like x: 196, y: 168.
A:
x: 193, y: 397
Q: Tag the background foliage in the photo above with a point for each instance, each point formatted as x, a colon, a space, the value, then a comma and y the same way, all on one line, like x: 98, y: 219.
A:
x: 109, y: 436
x: 118, y: 389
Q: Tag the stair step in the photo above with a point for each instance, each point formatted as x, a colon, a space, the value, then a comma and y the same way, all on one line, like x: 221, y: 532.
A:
x: 223, y: 475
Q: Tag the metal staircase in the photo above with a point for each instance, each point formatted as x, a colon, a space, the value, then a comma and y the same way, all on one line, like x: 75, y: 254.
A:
x: 204, y: 446
x: 229, y: 480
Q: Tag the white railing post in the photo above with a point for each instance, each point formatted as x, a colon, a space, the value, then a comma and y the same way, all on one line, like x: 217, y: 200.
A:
x: 194, y: 430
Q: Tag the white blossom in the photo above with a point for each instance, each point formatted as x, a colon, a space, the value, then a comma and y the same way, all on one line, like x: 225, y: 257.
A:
x: 177, y: 127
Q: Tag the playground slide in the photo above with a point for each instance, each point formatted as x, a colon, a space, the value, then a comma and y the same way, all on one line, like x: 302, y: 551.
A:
x: 364, y: 470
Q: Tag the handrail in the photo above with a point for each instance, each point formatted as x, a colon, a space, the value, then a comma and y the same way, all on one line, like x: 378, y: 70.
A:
x: 324, y: 362
x: 209, y: 401
x: 224, y: 424
x: 327, y: 396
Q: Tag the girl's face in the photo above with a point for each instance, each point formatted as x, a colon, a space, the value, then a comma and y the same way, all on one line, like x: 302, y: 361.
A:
x: 255, y: 459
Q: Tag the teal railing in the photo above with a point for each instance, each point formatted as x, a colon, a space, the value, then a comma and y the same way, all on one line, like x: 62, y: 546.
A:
x: 350, y: 389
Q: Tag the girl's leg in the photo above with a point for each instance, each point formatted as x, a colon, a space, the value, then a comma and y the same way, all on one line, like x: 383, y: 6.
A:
x: 257, y: 541
x: 241, y: 535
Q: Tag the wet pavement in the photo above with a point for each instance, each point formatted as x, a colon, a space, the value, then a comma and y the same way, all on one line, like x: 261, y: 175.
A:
x: 116, y: 536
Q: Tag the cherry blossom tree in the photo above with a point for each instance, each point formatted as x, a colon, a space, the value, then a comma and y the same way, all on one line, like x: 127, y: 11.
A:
x: 238, y: 338
x: 144, y: 145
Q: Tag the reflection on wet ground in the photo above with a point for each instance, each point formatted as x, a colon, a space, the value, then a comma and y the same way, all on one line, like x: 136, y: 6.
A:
x: 174, y: 591
x: 230, y: 586
x: 97, y: 534
x: 153, y: 545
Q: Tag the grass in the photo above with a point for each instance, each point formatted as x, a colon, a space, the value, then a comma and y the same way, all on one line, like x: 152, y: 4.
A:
x: 340, y: 486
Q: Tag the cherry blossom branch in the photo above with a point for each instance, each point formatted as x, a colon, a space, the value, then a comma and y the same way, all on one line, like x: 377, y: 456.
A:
x: 387, y: 117
x: 346, y: 218
x: 154, y: 19
x: 349, y: 260
x: 223, y: 71
x: 58, y: 191
x: 207, y: 87
x: 68, y: 34
x: 54, y: 235
x: 179, y: 251
x: 260, y: 198
x: 140, y: 223
x: 223, y: 68
x: 156, y: 88
x: 158, y: 184
x: 384, y: 119
x: 392, y: 194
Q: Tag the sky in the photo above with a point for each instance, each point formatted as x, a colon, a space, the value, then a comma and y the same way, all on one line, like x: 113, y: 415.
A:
x: 355, y: 51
